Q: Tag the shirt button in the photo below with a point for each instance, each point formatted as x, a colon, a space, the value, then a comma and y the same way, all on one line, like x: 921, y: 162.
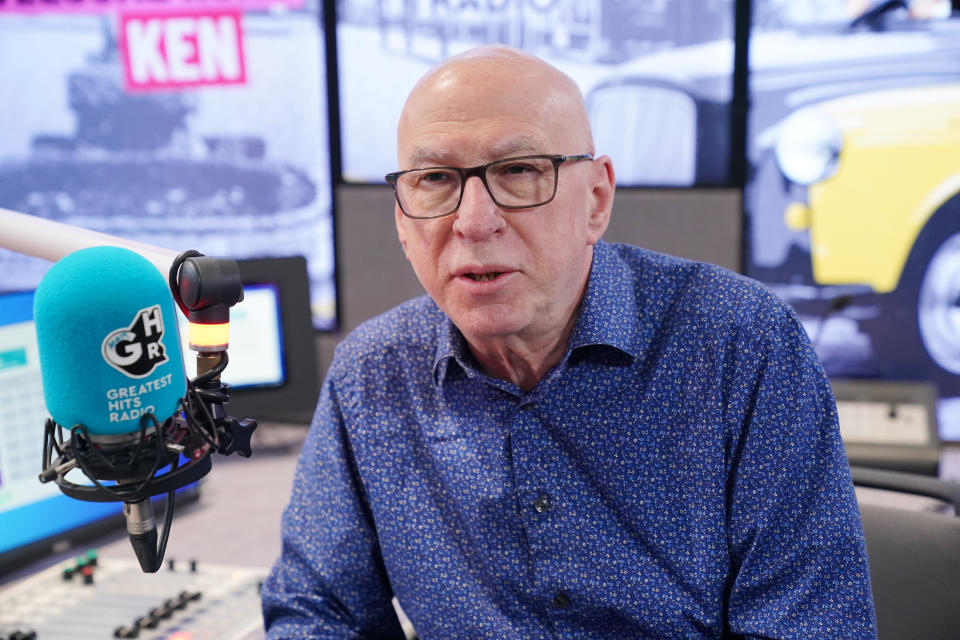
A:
x: 561, y: 600
x: 542, y: 503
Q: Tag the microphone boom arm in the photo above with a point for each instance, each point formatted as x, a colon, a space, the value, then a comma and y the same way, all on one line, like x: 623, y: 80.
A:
x: 53, y: 240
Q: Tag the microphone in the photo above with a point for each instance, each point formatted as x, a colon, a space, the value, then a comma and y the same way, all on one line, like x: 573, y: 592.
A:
x: 108, y: 341
x: 113, y: 377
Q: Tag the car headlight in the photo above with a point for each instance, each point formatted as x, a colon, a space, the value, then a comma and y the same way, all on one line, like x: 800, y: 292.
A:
x: 808, y: 146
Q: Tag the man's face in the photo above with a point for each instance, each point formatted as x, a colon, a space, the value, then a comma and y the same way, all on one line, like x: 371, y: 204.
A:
x: 501, y: 273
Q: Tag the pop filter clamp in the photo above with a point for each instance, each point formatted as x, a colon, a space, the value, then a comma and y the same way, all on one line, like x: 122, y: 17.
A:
x: 204, y: 288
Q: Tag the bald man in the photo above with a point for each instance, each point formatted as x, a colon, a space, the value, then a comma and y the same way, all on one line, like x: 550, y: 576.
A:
x: 564, y: 438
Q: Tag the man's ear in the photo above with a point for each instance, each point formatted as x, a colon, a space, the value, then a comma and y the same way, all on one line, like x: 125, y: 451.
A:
x: 401, y: 232
x: 603, y: 187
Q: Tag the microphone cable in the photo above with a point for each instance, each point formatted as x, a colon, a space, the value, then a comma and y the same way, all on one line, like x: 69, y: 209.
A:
x: 148, y: 545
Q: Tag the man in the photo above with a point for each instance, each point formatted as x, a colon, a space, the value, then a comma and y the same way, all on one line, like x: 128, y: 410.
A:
x: 566, y: 438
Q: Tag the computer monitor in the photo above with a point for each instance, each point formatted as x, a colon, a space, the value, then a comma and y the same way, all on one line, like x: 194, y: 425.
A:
x: 34, y: 518
x: 272, y: 366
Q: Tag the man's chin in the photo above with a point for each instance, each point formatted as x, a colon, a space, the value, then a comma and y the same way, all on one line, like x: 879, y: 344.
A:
x: 479, y: 326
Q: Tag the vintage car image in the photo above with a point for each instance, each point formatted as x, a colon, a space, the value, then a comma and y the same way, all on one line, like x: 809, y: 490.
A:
x: 665, y: 118
x: 853, y: 201
x: 657, y: 75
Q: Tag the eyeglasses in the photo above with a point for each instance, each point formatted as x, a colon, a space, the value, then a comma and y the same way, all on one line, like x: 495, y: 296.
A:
x: 513, y: 183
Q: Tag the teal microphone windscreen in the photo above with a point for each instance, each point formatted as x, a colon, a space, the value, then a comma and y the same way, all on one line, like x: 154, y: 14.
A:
x: 108, y: 341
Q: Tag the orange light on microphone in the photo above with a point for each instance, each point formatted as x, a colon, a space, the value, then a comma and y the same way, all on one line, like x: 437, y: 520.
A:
x: 208, y: 337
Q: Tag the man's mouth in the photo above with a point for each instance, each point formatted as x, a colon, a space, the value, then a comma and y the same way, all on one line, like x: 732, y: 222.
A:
x: 483, y: 277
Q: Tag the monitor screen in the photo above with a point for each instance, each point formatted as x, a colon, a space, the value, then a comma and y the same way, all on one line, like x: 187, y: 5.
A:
x: 657, y: 76
x: 33, y: 516
x: 256, y: 341
x: 199, y: 125
x: 853, y: 202
x: 272, y: 365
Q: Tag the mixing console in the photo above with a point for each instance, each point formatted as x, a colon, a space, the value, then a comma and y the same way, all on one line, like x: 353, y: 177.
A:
x: 93, y: 597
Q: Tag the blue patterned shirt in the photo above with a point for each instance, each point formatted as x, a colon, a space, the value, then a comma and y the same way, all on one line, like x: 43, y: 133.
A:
x: 679, y: 474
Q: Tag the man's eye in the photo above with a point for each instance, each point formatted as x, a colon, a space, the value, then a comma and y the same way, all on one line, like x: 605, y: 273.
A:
x: 434, y: 176
x: 517, y: 169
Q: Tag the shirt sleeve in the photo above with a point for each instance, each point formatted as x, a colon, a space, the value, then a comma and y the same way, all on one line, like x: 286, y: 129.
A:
x: 799, y: 563
x: 329, y: 581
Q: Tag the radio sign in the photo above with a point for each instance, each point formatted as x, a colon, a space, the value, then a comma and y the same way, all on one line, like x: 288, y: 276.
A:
x: 177, y: 49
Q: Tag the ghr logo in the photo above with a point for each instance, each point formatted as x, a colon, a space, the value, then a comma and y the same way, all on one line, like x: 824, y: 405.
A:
x: 136, y: 350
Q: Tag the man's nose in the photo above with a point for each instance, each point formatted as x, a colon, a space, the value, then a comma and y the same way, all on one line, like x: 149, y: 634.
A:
x: 478, y: 215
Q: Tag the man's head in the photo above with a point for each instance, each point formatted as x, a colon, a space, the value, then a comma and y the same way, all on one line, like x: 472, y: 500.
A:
x: 514, y: 275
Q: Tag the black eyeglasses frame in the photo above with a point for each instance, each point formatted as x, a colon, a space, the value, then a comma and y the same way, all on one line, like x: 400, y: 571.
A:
x: 480, y: 171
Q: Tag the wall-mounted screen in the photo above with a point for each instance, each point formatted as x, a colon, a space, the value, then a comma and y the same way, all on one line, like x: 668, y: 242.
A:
x: 853, y: 206
x: 657, y: 75
x: 189, y: 125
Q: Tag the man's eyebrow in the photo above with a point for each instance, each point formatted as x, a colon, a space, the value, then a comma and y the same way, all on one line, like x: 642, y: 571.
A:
x: 429, y: 157
x: 517, y: 146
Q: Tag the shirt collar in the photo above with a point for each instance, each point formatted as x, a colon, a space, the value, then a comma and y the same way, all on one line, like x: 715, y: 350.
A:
x: 451, y: 346
x: 607, y: 317
x: 608, y: 313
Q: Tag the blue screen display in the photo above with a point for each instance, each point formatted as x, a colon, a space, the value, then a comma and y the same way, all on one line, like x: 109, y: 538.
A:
x: 29, y: 511
x: 49, y: 517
